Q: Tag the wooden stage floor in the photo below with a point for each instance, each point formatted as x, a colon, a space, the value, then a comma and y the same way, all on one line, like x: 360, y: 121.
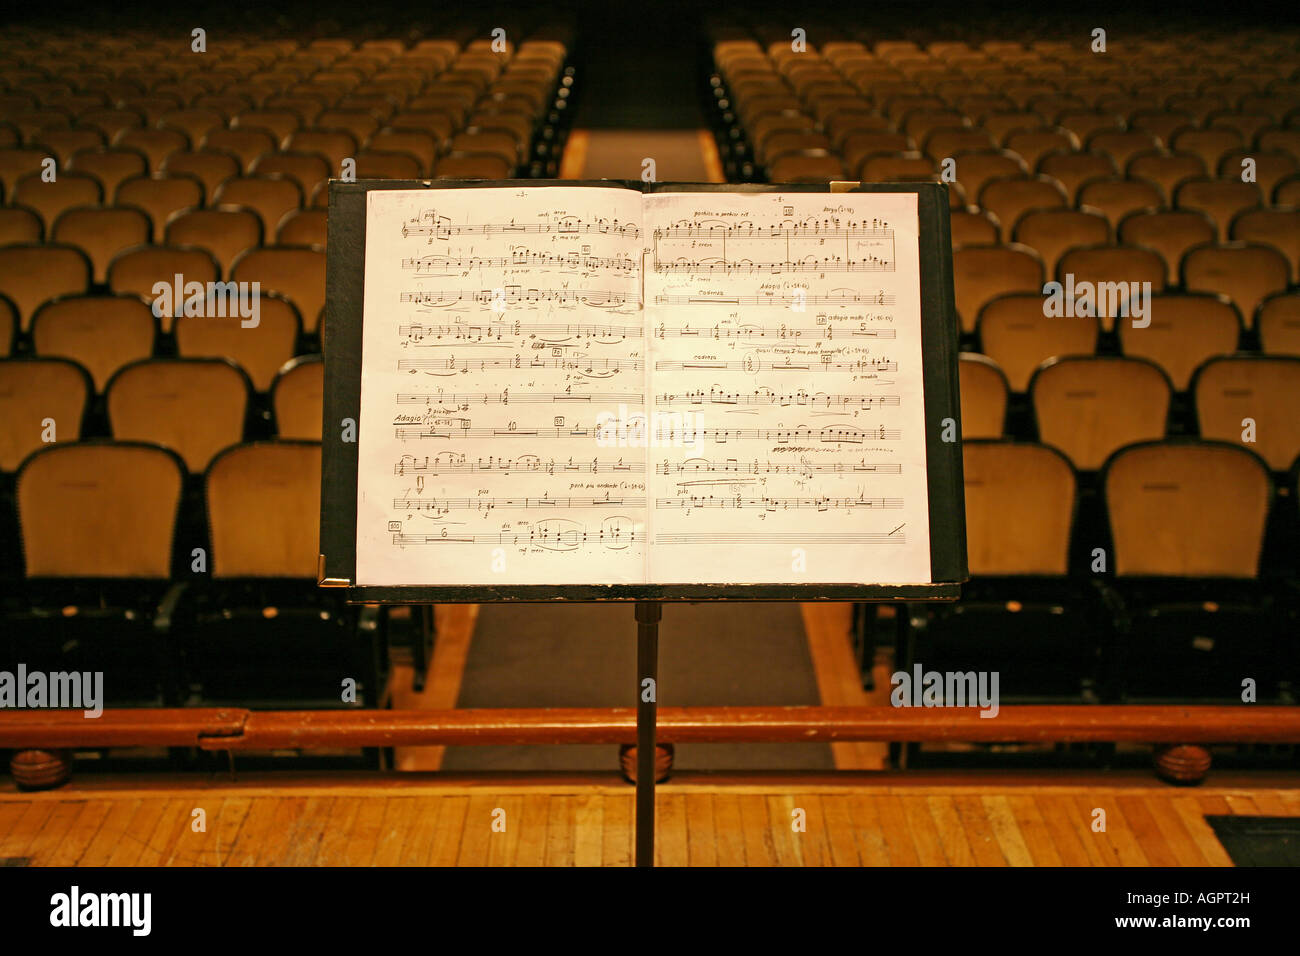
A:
x: 852, y: 819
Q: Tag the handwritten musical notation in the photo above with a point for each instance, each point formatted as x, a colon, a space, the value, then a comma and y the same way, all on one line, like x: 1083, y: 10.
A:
x: 521, y: 257
x: 806, y: 264
x: 427, y: 336
x: 503, y: 297
x: 448, y: 505
x: 687, y: 435
x: 767, y: 503
x: 784, y: 300
x: 781, y: 333
x: 799, y: 398
x: 825, y: 228
x: 823, y: 364
x: 504, y: 397
x: 461, y: 464
x: 468, y: 364
x: 429, y: 223
x: 695, y: 466
x: 621, y: 412
x: 554, y: 535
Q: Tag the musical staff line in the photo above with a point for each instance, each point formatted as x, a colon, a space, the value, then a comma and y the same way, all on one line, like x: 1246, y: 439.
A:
x: 429, y: 223
x: 810, y: 229
x: 759, y: 365
x: 747, y: 266
x: 516, y: 295
x: 779, y: 299
x: 416, y: 334
x: 445, y: 505
x: 522, y: 258
x: 702, y: 465
x: 483, y: 364
x: 662, y: 432
x: 719, y: 333
x: 554, y: 534
x: 504, y: 397
x: 459, y: 464
x: 800, y: 398
x: 778, y: 504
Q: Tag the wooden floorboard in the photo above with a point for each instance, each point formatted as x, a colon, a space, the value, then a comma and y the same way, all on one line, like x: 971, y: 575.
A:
x: 1036, y: 819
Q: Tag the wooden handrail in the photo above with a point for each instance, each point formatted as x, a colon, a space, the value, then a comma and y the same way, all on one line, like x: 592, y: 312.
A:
x: 236, y: 729
x: 142, y: 727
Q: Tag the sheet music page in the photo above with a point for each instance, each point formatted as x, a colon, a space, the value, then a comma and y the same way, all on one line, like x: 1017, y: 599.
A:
x: 499, y: 323
x: 786, y: 388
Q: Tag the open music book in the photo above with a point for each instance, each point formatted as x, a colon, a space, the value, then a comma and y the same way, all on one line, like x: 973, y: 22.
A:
x: 612, y: 385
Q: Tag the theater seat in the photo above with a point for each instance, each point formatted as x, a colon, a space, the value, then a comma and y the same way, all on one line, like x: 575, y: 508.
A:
x: 1185, y: 329
x: 31, y: 275
x: 984, y: 394
x: 1191, y: 620
x: 161, y: 196
x: 1012, y: 617
x: 1251, y: 400
x: 1014, y: 332
x: 259, y: 350
x: 1278, y: 322
x: 981, y: 273
x: 263, y: 632
x: 102, y: 333
x: 1088, y: 406
x: 297, y: 398
x: 1247, y: 273
x: 98, y: 520
x: 196, y: 407
x: 298, y: 273
x: 36, y: 393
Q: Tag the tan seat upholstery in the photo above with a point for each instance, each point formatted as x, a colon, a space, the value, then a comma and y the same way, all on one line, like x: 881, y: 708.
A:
x: 211, y: 167
x: 983, y: 397
x: 1169, y: 233
x: 195, y: 407
x: 1051, y: 232
x: 161, y: 196
x: 1014, y: 332
x: 264, y: 510
x: 102, y: 233
x: 1033, y: 483
x: 1245, y: 272
x: 226, y: 232
x: 259, y: 350
x: 981, y: 273
x: 1187, y: 510
x: 32, y: 275
x: 1278, y: 318
x: 297, y: 273
x: 1090, y: 406
x: 138, y: 271
x: 1185, y: 329
x: 102, y: 333
x: 297, y: 398
x: 99, y: 510
x: 34, y: 393
x: 271, y: 197
x: 1230, y: 390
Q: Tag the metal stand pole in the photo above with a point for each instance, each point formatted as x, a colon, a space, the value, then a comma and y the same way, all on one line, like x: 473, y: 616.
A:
x: 648, y: 614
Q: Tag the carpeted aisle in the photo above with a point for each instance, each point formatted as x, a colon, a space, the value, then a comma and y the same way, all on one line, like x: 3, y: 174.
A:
x: 585, y: 656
